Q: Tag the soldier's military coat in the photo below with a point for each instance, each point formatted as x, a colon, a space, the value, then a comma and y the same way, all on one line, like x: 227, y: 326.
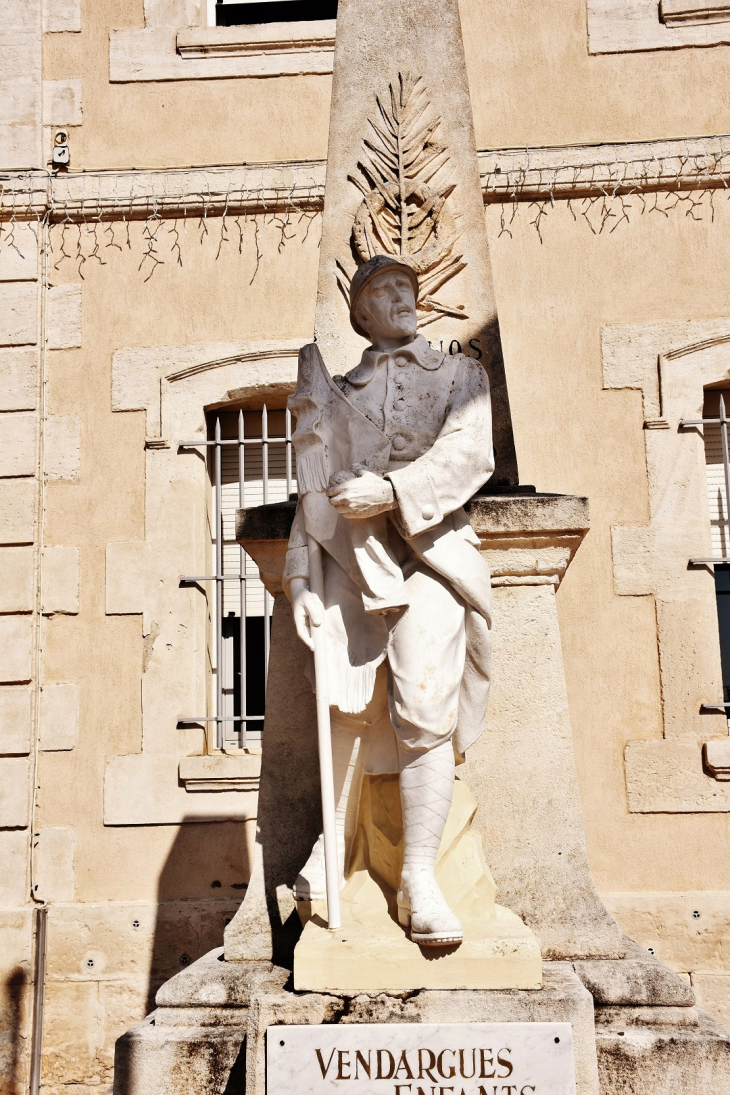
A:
x: 423, y: 419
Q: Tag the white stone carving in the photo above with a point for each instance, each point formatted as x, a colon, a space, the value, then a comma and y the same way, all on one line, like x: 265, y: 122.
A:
x: 419, y: 423
x: 404, y: 210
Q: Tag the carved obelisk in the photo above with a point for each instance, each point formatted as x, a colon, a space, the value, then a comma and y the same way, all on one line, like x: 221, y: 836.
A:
x: 403, y: 178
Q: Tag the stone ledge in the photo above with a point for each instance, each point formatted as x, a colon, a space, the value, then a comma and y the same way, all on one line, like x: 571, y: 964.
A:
x: 261, y: 40
x: 636, y: 1056
x: 510, y: 514
x: 626, y: 26
x: 154, y: 54
x: 221, y: 772
x: 634, y: 981
x: 199, y: 1005
x: 182, y: 1061
x: 665, y: 776
x: 213, y: 982
x: 528, y: 539
x: 686, y: 13
x: 144, y: 789
x: 716, y: 755
x: 507, y: 175
x: 490, y: 515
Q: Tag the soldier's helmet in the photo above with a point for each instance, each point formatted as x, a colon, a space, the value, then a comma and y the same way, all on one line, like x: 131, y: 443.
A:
x: 365, y: 274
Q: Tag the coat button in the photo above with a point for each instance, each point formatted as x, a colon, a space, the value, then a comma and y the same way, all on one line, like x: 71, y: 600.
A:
x: 400, y: 359
x: 428, y: 513
x: 400, y: 405
x: 399, y: 443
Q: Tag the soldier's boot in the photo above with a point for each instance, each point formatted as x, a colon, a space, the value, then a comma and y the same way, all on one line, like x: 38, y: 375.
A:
x: 426, y: 788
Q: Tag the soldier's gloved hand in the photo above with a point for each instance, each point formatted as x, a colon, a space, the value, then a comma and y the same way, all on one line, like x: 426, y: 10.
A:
x: 364, y: 495
x: 307, y: 609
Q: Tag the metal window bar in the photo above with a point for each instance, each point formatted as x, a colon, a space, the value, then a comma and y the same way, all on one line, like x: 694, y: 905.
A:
x: 722, y: 420
x: 220, y: 718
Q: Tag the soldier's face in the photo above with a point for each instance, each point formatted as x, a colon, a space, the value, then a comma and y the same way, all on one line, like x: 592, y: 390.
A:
x: 387, y: 308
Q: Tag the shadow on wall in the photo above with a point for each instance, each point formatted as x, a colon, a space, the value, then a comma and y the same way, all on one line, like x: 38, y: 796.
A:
x: 201, y: 886
x: 10, y: 1028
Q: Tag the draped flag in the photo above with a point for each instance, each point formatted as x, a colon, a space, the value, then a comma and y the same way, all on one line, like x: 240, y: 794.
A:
x: 334, y: 439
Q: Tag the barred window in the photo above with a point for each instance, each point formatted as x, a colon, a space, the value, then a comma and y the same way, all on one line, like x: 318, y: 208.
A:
x: 716, y: 429
x: 251, y: 462
x: 716, y: 406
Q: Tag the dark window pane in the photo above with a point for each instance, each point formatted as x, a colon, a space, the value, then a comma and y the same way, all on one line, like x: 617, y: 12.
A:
x: 722, y: 592
x: 282, y: 11
x: 255, y: 665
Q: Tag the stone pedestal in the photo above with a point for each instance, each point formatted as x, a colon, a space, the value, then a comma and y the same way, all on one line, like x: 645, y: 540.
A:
x: 225, y: 1017
x: 530, y: 817
x: 372, y: 952
x: 208, y: 1034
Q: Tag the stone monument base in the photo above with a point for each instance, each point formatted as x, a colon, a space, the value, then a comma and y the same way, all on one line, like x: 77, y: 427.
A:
x: 218, y: 1013
x: 208, y: 1033
x: 372, y: 952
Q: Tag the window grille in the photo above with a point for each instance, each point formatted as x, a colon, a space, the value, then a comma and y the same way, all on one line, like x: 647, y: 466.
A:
x: 251, y: 462
x: 717, y: 467
x: 715, y: 464
x: 233, y: 13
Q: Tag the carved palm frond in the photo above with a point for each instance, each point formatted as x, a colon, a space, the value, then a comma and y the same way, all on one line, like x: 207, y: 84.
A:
x: 403, y: 211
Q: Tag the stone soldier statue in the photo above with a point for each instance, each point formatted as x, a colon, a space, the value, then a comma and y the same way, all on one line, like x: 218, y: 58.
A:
x: 408, y: 597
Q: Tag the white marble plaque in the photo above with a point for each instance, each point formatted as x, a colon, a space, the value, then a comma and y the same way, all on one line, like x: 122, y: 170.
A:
x: 421, y: 1059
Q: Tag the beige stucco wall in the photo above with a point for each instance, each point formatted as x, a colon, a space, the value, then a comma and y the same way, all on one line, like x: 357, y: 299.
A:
x: 129, y: 903
x: 181, y: 122
x: 123, y: 872
x: 575, y: 437
x: 532, y: 83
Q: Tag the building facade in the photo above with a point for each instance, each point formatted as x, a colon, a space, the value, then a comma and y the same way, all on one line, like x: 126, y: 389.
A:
x: 162, y: 172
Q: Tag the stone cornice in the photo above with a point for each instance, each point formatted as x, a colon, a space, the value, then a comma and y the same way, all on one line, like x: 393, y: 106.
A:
x: 265, y: 40
x: 581, y: 171
x: 528, y: 539
x: 508, y: 176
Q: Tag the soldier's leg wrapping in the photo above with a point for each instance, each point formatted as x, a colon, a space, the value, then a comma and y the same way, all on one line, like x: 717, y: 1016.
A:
x: 426, y: 656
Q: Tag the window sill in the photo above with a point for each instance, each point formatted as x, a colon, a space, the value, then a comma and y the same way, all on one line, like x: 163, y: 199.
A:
x: 689, y: 13
x: 717, y: 759
x: 629, y: 26
x: 265, y: 40
x: 196, y: 53
x: 221, y: 772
